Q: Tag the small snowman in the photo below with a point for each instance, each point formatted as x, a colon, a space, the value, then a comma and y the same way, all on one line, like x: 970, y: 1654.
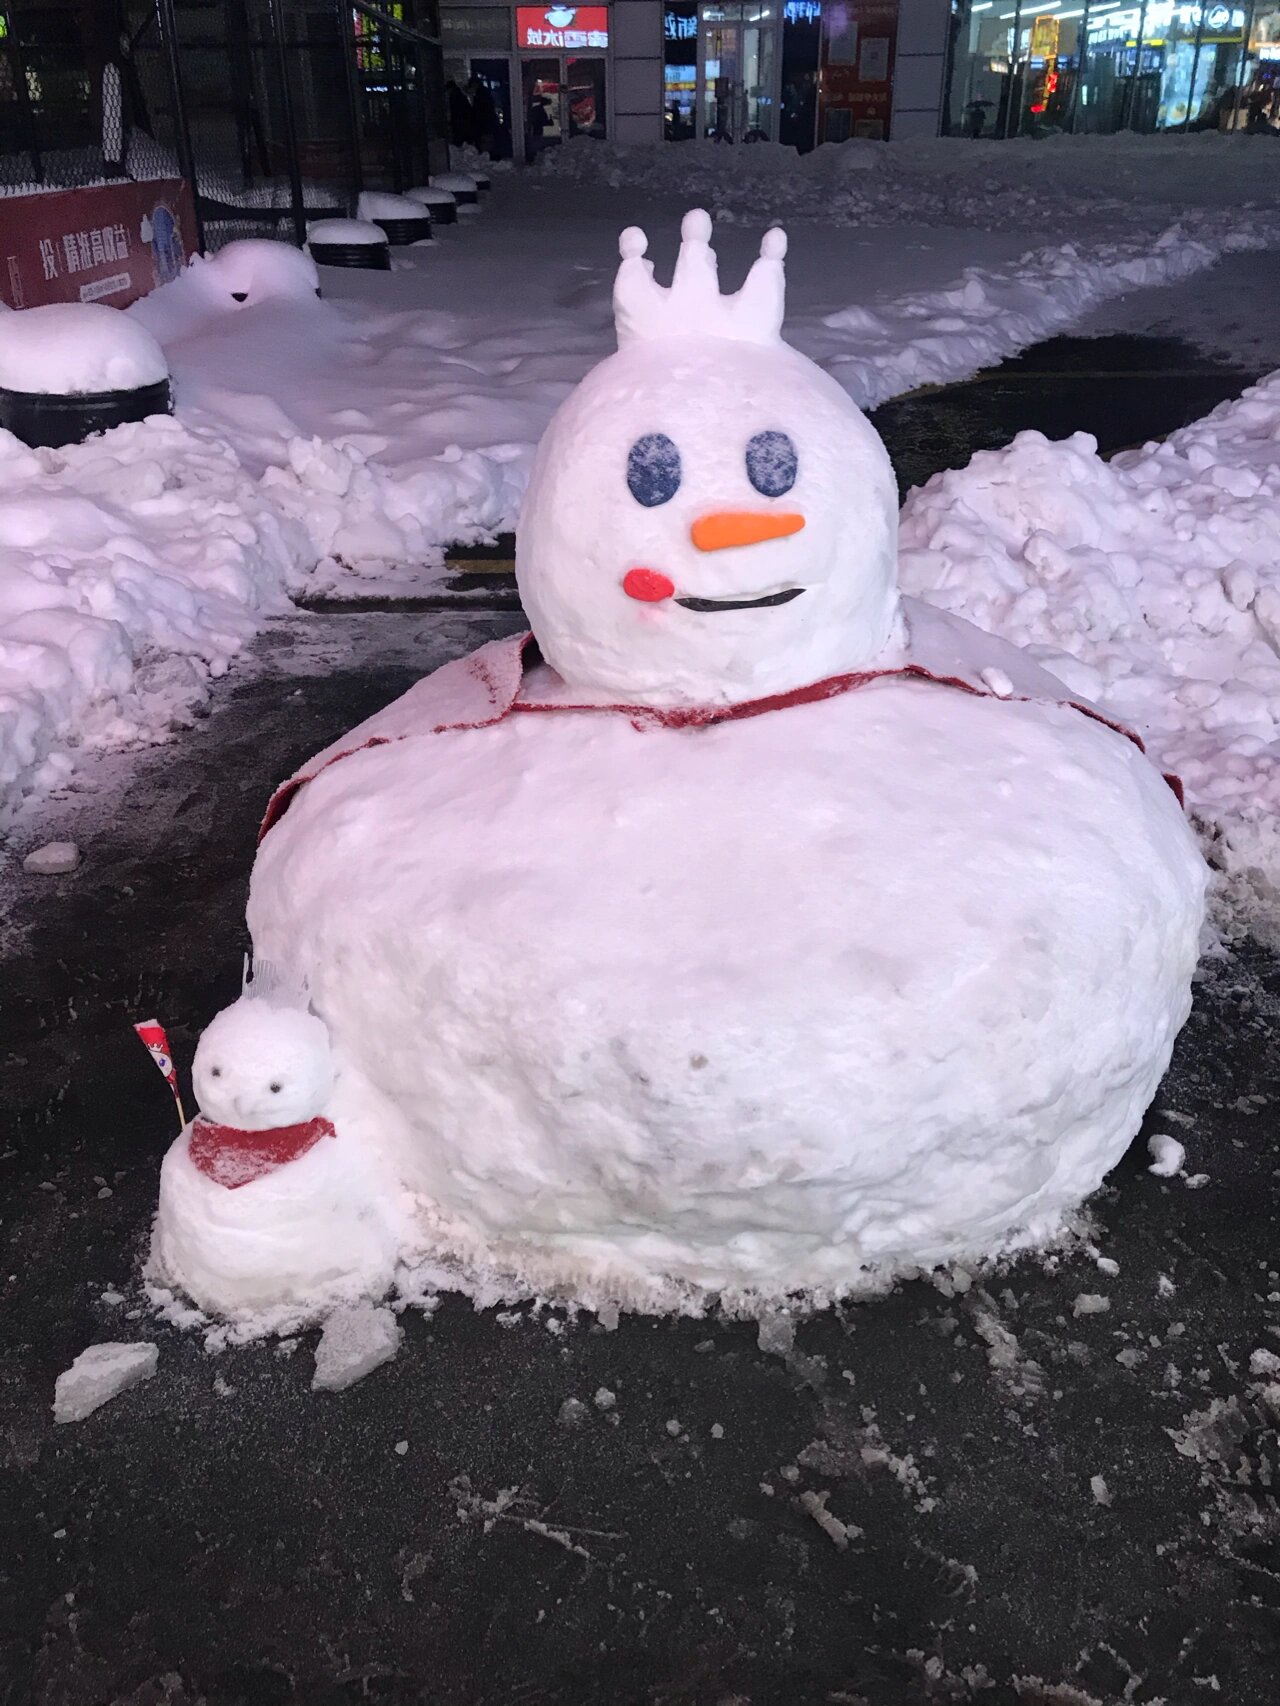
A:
x: 264, y: 1204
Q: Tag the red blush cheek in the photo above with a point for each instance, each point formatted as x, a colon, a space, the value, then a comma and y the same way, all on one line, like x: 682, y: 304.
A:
x: 647, y: 585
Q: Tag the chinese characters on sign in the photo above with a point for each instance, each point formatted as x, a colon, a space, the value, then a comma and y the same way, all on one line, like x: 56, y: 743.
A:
x: 563, y: 28
x: 111, y: 243
x: 82, y: 251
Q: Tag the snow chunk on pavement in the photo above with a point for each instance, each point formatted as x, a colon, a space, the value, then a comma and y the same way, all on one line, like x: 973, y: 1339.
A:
x: 1167, y: 1156
x: 354, y: 1342
x: 100, y: 1374
x: 1091, y: 1303
x: 54, y: 859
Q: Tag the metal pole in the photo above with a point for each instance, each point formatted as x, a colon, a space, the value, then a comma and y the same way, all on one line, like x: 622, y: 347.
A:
x: 1195, y: 63
x: 290, y: 128
x: 347, y: 45
x: 1131, y: 93
x: 1082, y: 59
x: 1014, y: 80
x: 1246, y: 30
x: 22, y: 90
x: 182, y: 139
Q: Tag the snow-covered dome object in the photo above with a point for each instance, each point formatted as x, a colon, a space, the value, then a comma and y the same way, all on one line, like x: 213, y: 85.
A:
x: 460, y: 185
x: 751, y: 480
x: 374, y: 205
x: 748, y: 929
x: 77, y: 348
x: 259, y: 269
x: 431, y: 195
x: 344, y: 231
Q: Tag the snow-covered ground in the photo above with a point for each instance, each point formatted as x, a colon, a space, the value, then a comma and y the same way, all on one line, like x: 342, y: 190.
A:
x: 335, y: 443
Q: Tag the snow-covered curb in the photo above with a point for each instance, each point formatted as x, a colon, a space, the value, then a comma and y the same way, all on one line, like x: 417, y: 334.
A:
x: 132, y: 568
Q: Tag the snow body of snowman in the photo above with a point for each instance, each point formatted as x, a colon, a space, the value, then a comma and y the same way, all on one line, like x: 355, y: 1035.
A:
x: 267, y: 1204
x: 807, y: 935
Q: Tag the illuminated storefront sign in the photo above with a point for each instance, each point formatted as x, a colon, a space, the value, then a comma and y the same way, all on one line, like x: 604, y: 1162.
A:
x: 562, y: 28
x: 1161, y: 14
x: 1044, y: 38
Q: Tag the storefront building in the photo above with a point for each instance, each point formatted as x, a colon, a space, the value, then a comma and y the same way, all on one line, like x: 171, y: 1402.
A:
x: 526, y: 78
x: 803, y: 72
x: 1100, y: 66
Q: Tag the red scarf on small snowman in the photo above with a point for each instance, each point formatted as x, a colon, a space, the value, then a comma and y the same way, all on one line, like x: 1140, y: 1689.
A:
x: 232, y: 1157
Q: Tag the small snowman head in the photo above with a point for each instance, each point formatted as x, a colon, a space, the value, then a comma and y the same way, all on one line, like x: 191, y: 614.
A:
x: 259, y: 1066
x: 710, y: 517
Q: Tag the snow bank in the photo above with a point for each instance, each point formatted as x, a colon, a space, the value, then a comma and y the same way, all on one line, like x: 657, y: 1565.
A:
x: 990, y: 312
x: 937, y: 180
x: 1150, y: 583
x: 71, y: 348
x: 132, y: 568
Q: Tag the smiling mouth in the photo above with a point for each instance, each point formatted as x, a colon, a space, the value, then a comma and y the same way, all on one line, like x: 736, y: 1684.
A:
x: 741, y: 603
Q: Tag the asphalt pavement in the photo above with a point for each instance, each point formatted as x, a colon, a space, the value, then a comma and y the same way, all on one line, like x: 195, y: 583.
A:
x: 976, y: 1489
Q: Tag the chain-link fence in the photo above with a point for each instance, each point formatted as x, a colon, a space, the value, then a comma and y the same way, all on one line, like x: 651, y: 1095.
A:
x: 277, y: 111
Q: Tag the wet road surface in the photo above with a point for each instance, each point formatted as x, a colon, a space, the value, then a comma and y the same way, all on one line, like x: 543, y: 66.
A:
x: 972, y: 1490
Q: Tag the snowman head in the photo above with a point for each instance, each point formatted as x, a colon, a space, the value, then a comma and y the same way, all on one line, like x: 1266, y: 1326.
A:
x: 258, y: 1066
x: 710, y: 518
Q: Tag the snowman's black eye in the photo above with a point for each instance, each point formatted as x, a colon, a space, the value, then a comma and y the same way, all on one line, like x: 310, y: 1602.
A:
x: 275, y: 1089
x: 772, y: 463
x: 215, y: 1072
x: 653, y: 470
x: 239, y: 295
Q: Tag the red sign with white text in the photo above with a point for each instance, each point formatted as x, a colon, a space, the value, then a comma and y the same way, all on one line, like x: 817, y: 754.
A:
x: 562, y: 29
x: 855, y: 96
x: 110, y: 244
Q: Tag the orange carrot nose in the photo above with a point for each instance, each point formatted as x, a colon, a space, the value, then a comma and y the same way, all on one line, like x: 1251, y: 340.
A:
x: 742, y: 527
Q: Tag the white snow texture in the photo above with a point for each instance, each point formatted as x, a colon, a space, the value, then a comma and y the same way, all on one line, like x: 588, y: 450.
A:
x: 74, y: 348
x: 100, y: 1374
x: 788, y: 1004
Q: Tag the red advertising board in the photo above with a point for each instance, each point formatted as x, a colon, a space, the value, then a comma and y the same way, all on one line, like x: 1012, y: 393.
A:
x: 562, y: 29
x: 859, y: 39
x: 110, y: 244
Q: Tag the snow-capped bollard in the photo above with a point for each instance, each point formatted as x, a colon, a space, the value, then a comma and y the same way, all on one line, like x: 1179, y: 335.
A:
x: 460, y: 185
x: 70, y: 369
x: 349, y: 243
x: 254, y: 270
x: 439, y: 203
x: 403, y: 218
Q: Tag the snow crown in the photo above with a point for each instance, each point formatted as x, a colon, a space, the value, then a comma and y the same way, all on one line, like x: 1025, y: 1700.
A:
x: 694, y: 307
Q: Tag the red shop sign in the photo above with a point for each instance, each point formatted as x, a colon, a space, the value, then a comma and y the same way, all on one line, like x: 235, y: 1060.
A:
x: 112, y: 243
x: 560, y: 29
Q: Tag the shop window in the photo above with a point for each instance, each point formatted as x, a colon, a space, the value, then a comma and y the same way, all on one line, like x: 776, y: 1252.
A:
x: 680, y: 70
x: 1108, y: 65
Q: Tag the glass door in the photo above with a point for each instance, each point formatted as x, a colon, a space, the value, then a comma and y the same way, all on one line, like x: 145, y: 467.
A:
x: 737, y: 101
x: 543, y: 116
x: 583, y: 83
x: 563, y: 96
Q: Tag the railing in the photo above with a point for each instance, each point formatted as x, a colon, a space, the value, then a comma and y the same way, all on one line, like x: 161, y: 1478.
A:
x: 276, y: 111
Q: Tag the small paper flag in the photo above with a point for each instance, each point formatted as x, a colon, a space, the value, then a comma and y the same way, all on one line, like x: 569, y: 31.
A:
x: 152, y: 1033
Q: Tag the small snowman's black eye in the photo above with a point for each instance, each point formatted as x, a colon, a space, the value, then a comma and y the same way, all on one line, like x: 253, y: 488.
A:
x: 653, y: 470
x: 215, y: 1072
x: 275, y: 1089
x: 239, y: 295
x: 772, y: 463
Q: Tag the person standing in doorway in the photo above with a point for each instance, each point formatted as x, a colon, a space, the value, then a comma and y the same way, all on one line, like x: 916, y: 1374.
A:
x: 486, y: 116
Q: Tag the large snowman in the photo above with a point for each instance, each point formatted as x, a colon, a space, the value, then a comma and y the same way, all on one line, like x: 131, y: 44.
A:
x: 749, y: 929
